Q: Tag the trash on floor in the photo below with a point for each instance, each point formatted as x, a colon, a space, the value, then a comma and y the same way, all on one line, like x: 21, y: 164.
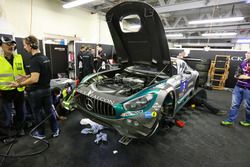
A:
x: 101, y: 137
x: 115, y: 151
x: 95, y: 127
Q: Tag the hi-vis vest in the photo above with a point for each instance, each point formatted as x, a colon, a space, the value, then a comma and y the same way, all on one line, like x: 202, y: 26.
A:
x: 8, y: 74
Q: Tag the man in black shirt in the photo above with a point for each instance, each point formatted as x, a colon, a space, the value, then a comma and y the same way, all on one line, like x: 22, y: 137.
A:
x: 39, y: 87
x: 100, y: 59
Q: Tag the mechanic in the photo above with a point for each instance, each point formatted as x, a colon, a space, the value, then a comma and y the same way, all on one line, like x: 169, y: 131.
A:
x: 200, y: 99
x: 87, y: 62
x: 86, y: 58
x: 12, y: 69
x: 80, y: 61
x: 100, y: 59
x: 39, y: 87
x: 241, y: 93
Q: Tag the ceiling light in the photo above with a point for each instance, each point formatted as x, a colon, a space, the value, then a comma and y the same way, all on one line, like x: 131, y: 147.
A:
x: 229, y: 19
x: 219, y: 34
x: 177, y: 45
x: 243, y: 41
x: 206, y: 48
x: 174, y: 35
x: 76, y: 3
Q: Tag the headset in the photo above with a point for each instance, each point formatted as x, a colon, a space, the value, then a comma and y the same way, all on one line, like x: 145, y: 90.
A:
x: 33, y: 45
x: 8, y: 40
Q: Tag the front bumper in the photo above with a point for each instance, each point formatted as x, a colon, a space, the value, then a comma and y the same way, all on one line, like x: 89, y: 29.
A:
x: 131, y: 127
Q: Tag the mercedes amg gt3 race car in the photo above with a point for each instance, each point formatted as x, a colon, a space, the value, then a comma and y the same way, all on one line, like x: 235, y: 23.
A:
x: 149, y: 86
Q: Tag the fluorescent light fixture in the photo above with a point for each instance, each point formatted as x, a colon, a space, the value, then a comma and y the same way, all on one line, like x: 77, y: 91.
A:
x: 174, y: 35
x: 76, y: 3
x: 206, y: 48
x: 229, y: 19
x: 219, y: 34
x: 243, y: 41
x: 177, y: 45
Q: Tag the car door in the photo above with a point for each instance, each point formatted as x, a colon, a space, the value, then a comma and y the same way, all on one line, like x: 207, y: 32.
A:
x: 185, y: 76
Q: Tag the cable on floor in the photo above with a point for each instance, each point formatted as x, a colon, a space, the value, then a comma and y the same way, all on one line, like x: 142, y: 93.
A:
x: 6, y: 155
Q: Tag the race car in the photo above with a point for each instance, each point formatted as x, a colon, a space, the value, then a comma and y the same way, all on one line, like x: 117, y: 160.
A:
x: 149, y: 85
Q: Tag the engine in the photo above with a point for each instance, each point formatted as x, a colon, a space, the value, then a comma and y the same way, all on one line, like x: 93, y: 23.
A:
x: 121, y: 84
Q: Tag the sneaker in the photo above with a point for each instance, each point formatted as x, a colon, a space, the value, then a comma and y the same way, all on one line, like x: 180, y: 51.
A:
x: 56, y: 133
x: 36, y: 135
x: 244, y: 123
x: 226, y: 123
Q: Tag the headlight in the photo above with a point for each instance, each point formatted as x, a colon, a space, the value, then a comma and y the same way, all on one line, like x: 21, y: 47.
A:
x: 139, y: 103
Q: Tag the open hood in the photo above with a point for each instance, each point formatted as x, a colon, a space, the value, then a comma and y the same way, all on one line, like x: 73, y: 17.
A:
x: 139, y: 36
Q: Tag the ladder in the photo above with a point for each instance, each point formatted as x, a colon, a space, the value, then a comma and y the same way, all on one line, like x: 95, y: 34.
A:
x: 218, y: 72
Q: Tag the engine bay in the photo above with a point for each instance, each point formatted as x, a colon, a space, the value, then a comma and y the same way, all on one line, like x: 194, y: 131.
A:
x: 122, y: 83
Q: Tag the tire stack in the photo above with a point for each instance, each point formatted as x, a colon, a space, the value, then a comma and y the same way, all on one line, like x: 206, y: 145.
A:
x: 202, y: 66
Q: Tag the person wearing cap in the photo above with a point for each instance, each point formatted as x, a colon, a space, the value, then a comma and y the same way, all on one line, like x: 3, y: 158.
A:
x: 38, y: 85
x: 241, y: 93
x: 12, y: 69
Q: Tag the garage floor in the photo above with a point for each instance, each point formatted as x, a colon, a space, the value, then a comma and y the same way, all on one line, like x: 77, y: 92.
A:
x: 202, y: 143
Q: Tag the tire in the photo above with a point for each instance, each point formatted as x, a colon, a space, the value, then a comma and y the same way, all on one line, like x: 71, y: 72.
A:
x: 169, y: 104
x: 191, y: 63
x: 202, y: 81
x: 203, y: 74
x: 202, y: 67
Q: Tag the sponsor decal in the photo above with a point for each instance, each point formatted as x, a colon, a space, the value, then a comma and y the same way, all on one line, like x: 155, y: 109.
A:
x: 131, y: 113
x: 92, y: 95
x: 149, y: 114
x: 19, y: 66
x: 183, y: 86
x: 236, y: 58
x: 156, y: 106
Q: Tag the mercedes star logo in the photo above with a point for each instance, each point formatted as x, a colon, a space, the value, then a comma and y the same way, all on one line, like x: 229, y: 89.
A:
x: 89, y: 104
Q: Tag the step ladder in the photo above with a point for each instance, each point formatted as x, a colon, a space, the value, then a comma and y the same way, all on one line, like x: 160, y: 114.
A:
x: 218, y: 72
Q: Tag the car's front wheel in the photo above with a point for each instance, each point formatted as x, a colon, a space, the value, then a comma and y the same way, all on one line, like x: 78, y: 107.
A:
x: 168, y: 105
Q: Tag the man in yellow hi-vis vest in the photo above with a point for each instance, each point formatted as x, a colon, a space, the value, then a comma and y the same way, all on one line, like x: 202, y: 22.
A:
x: 11, y: 69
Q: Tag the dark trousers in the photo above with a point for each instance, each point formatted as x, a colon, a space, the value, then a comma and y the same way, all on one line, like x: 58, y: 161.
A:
x: 41, y: 104
x: 9, y: 98
x: 200, y: 99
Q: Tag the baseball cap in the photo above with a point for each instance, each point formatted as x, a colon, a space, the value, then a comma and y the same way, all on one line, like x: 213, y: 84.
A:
x: 7, y: 40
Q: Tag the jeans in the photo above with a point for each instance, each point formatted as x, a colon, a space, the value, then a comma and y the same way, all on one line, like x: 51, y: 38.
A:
x: 40, y: 101
x: 8, y: 99
x: 239, y: 95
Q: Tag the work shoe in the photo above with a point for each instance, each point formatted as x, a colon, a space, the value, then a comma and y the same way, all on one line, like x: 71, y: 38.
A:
x: 56, y: 133
x: 226, y: 123
x: 38, y: 136
x: 244, y: 123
